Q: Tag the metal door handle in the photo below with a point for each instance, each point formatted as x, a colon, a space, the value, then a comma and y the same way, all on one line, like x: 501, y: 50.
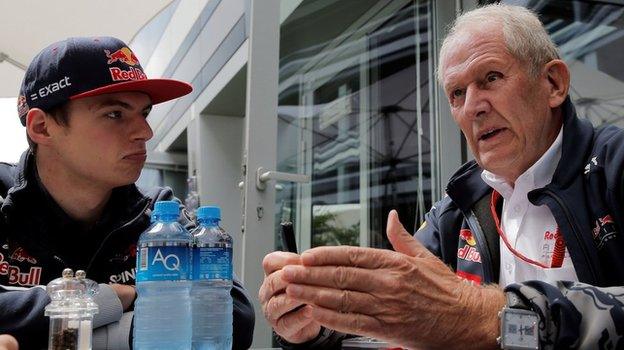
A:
x: 263, y: 176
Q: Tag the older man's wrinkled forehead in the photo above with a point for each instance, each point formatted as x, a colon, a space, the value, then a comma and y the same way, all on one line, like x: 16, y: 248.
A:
x: 471, y: 42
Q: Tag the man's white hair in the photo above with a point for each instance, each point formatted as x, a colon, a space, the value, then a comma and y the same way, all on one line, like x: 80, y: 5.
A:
x: 524, y: 35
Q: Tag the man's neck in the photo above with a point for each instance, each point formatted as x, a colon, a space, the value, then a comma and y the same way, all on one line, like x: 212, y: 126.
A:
x: 80, y: 199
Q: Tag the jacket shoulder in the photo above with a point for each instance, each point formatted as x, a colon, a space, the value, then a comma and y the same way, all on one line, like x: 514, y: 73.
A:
x: 158, y: 193
x: 608, y: 153
x: 7, y: 177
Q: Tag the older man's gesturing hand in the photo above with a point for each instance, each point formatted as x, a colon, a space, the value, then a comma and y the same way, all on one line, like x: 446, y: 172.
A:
x: 288, y: 317
x: 408, y: 296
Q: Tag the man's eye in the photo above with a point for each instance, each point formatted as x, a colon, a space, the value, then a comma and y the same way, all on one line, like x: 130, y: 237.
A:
x: 457, y: 93
x: 114, y: 114
x: 492, y: 76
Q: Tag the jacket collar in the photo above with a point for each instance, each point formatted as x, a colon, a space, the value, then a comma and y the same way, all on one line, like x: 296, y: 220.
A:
x: 125, y: 201
x: 466, y: 186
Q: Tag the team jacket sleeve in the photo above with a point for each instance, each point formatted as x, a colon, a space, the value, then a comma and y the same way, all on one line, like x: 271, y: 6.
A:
x: 22, y: 316
x: 575, y: 315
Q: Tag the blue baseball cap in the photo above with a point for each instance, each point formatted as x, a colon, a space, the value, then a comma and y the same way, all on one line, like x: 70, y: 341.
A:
x: 88, y: 66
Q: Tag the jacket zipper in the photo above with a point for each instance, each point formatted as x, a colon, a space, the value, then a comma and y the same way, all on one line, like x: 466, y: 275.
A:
x: 576, y: 231
x: 486, y: 259
x: 97, y: 252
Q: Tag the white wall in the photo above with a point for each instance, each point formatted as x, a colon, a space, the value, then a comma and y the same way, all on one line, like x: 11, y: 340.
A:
x: 13, y: 140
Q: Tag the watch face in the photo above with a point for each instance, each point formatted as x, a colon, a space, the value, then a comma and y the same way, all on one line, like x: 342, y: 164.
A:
x: 520, y: 329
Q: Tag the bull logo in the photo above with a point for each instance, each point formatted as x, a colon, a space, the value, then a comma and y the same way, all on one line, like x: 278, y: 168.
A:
x: 124, y: 55
x: 467, y: 236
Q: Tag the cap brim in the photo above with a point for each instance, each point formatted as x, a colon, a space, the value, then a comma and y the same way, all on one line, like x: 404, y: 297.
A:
x: 159, y: 90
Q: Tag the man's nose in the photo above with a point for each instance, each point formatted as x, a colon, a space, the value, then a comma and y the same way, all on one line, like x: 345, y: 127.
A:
x: 475, y: 103
x: 141, y: 129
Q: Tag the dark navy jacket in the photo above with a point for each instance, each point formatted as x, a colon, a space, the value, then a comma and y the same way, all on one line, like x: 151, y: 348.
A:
x: 38, y: 240
x: 585, y: 197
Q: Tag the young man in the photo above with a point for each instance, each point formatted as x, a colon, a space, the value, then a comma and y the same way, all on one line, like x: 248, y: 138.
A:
x: 71, y: 201
x: 537, y: 212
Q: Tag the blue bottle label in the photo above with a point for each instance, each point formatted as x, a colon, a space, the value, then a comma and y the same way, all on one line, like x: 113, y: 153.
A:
x: 212, y: 263
x: 162, y: 263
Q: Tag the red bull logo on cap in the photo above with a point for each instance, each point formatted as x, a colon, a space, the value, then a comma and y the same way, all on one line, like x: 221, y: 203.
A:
x: 118, y: 74
x: 124, y: 55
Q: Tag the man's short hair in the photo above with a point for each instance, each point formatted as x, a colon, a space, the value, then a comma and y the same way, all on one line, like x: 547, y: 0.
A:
x: 60, y: 114
x: 524, y: 35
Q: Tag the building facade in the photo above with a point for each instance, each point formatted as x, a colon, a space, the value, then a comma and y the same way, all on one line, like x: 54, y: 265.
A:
x: 326, y: 113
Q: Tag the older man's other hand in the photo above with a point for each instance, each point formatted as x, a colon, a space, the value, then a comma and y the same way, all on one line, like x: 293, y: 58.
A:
x: 290, y: 318
x: 407, y: 297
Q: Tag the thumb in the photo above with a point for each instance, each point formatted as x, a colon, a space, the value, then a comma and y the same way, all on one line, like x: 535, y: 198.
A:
x: 401, y: 240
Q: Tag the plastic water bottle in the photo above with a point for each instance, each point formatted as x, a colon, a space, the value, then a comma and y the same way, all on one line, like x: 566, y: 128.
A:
x: 162, y: 312
x: 212, y: 282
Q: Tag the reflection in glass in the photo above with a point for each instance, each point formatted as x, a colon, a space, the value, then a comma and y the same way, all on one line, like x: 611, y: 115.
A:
x: 590, y: 36
x: 354, y: 115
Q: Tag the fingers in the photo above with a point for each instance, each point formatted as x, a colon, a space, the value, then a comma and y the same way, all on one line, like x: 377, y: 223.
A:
x: 350, y: 323
x: 336, y: 277
x: 401, y: 240
x: 285, y: 314
x: 279, y: 305
x: 368, y: 258
x: 334, y: 299
x: 276, y: 260
x: 272, y: 284
x: 297, y: 326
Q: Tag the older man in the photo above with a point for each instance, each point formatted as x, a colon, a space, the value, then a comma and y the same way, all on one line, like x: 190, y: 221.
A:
x: 537, y: 213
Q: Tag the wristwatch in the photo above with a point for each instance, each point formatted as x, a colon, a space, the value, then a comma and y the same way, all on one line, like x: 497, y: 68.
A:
x: 519, y: 325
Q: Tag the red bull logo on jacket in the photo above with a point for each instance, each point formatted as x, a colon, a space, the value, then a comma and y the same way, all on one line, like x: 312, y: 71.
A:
x: 468, y: 251
x: 21, y: 255
x: 604, y: 230
x: 16, y: 276
x: 467, y: 236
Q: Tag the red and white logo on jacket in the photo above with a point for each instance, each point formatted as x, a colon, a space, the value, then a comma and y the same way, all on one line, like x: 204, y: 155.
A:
x: 15, y: 274
x: 468, y: 252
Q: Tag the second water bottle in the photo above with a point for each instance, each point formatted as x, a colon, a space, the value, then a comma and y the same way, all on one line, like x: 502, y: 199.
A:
x: 212, y: 281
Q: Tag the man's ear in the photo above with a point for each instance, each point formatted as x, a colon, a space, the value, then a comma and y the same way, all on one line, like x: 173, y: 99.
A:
x: 558, y: 76
x: 37, y: 126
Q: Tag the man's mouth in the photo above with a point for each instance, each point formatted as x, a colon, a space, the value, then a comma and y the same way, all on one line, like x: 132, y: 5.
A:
x: 490, y: 133
x: 136, y: 156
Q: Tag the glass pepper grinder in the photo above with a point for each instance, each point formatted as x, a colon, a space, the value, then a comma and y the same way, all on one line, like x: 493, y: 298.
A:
x: 71, y: 311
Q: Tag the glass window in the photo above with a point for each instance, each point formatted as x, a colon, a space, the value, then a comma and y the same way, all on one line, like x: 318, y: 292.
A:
x: 145, y: 41
x: 354, y: 114
x: 590, y: 36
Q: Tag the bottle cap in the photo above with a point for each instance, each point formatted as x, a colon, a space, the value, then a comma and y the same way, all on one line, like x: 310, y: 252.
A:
x: 208, y: 212
x: 169, y: 208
